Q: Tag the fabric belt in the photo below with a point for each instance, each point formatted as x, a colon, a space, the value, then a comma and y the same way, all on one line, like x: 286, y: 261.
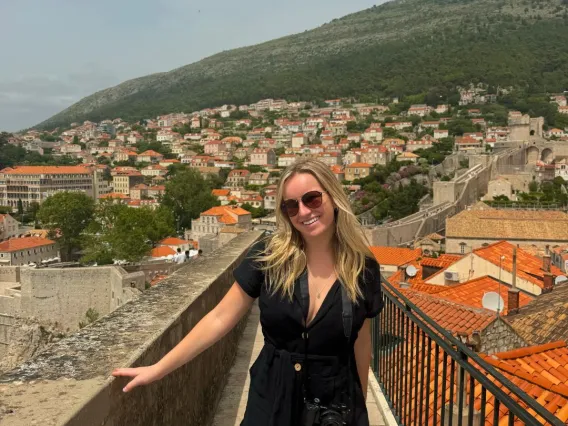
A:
x: 287, y: 402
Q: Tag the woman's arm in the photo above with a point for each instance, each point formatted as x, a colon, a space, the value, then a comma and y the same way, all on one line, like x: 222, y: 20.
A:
x: 363, y: 354
x: 209, y: 330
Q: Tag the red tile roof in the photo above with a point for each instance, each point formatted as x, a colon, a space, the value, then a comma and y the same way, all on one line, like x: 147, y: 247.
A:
x: 173, y: 241
x: 470, y: 293
x: 541, y: 371
x: 395, y: 255
x: 115, y: 195
x: 26, y: 243
x: 454, y: 317
x: 443, y: 261
x: 46, y: 170
x: 538, y: 371
x: 220, y: 192
x: 360, y: 165
x: 162, y: 251
x: 150, y: 153
x: 528, y: 267
x: 225, y: 213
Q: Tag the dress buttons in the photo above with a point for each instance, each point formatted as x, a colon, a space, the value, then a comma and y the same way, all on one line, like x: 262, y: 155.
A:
x: 297, y: 366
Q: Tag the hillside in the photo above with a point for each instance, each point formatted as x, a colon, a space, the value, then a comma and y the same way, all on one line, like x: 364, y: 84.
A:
x: 399, y: 48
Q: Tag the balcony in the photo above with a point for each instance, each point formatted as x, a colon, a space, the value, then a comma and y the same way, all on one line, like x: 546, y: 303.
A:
x: 422, y: 374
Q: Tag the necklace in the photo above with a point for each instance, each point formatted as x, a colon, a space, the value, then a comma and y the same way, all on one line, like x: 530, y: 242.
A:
x: 318, y: 295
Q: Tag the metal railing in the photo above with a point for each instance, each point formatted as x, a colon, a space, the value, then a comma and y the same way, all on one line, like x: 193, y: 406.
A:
x: 429, y: 377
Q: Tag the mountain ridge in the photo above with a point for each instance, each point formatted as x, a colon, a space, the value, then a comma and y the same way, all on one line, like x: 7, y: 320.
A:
x: 330, y: 60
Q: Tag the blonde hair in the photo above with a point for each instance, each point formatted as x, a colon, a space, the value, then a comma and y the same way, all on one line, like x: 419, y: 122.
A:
x: 284, y: 258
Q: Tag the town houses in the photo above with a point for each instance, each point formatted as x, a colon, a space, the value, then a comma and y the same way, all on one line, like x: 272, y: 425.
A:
x: 244, y: 148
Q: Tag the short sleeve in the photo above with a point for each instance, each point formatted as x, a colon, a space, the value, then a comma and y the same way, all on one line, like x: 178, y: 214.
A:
x: 248, y: 274
x: 372, y: 290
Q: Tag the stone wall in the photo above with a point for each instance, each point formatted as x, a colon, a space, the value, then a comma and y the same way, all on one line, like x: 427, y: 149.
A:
x: 9, y: 274
x: 499, y: 336
x: 65, y: 294
x: 449, y: 199
x: 70, y: 384
x: 153, y: 268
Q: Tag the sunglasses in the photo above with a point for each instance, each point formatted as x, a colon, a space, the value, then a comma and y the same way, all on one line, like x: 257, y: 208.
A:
x: 311, y: 200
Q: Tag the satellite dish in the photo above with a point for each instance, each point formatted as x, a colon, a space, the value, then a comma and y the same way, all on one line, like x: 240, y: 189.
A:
x: 411, y: 270
x: 560, y: 279
x: 493, y: 301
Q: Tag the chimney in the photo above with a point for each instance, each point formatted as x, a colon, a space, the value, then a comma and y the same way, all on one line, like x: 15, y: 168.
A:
x: 548, y: 283
x: 547, y: 250
x: 513, y: 301
x: 546, y: 263
x: 404, y: 281
x: 513, y: 293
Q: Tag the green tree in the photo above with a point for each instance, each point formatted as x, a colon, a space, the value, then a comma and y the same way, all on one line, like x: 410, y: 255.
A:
x: 119, y: 232
x: 254, y: 211
x: 75, y: 139
x: 33, y: 208
x: 20, y: 207
x: 66, y: 215
x: 187, y: 195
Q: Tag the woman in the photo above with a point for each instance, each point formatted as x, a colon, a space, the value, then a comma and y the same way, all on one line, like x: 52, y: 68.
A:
x: 316, y: 260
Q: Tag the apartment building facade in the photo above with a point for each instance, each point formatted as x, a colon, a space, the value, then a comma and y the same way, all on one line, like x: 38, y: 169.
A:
x: 36, y: 183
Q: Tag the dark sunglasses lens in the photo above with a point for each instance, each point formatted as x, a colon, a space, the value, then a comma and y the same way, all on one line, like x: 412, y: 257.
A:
x: 290, y: 207
x: 312, y: 199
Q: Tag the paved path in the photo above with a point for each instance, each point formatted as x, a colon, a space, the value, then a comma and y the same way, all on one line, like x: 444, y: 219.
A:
x: 231, y: 408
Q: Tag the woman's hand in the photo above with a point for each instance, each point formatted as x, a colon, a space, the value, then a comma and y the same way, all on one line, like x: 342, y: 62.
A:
x: 142, y: 376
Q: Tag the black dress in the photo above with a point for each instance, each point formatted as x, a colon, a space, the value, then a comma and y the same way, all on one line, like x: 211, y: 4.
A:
x: 275, y: 395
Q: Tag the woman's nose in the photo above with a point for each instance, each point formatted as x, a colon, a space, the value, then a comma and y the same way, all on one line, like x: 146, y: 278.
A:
x: 303, y: 210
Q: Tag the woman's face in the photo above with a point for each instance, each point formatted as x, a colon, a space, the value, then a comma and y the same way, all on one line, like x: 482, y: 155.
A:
x: 310, y: 222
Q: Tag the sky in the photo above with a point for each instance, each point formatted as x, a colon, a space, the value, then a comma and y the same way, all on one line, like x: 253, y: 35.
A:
x: 55, y: 52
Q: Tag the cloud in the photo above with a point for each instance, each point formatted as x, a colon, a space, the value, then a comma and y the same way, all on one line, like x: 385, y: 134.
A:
x: 27, y: 100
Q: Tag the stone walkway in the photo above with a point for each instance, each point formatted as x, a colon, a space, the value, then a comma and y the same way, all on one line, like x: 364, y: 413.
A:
x: 231, y: 408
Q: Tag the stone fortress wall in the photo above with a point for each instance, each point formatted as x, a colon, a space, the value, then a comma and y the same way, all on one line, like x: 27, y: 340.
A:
x: 69, y: 383
x: 61, y: 296
x: 449, y: 199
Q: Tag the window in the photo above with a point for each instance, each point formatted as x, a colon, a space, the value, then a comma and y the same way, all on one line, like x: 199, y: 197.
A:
x: 462, y: 248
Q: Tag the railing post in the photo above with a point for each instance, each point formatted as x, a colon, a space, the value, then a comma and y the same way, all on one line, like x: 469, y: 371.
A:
x: 459, y: 414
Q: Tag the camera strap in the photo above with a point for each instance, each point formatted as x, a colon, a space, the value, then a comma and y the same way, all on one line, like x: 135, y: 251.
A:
x: 347, y: 320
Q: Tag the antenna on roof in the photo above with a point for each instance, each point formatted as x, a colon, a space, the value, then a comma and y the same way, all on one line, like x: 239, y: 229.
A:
x: 411, y: 270
x: 493, y: 301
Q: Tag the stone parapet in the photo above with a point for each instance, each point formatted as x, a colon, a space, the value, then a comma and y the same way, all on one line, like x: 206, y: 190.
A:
x: 70, y: 383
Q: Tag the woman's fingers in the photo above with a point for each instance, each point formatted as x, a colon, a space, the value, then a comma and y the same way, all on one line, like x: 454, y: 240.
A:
x: 141, y: 376
x: 127, y: 372
x: 131, y: 384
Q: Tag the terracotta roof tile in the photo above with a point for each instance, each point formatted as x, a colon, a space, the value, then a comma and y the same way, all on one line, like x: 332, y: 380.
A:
x: 173, y: 241
x: 46, y: 170
x: 360, y: 165
x: 16, y: 244
x: 162, y: 251
x: 150, y: 153
x: 451, y: 316
x: 395, y: 255
x: 443, y: 261
x: 417, y: 282
x: 470, y: 293
x: 221, y: 192
x: 545, y: 387
x: 528, y: 267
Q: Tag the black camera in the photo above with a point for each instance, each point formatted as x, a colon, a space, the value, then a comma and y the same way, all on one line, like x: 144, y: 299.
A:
x: 319, y: 415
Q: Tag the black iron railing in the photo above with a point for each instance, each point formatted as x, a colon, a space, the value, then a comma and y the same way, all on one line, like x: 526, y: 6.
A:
x: 429, y: 377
